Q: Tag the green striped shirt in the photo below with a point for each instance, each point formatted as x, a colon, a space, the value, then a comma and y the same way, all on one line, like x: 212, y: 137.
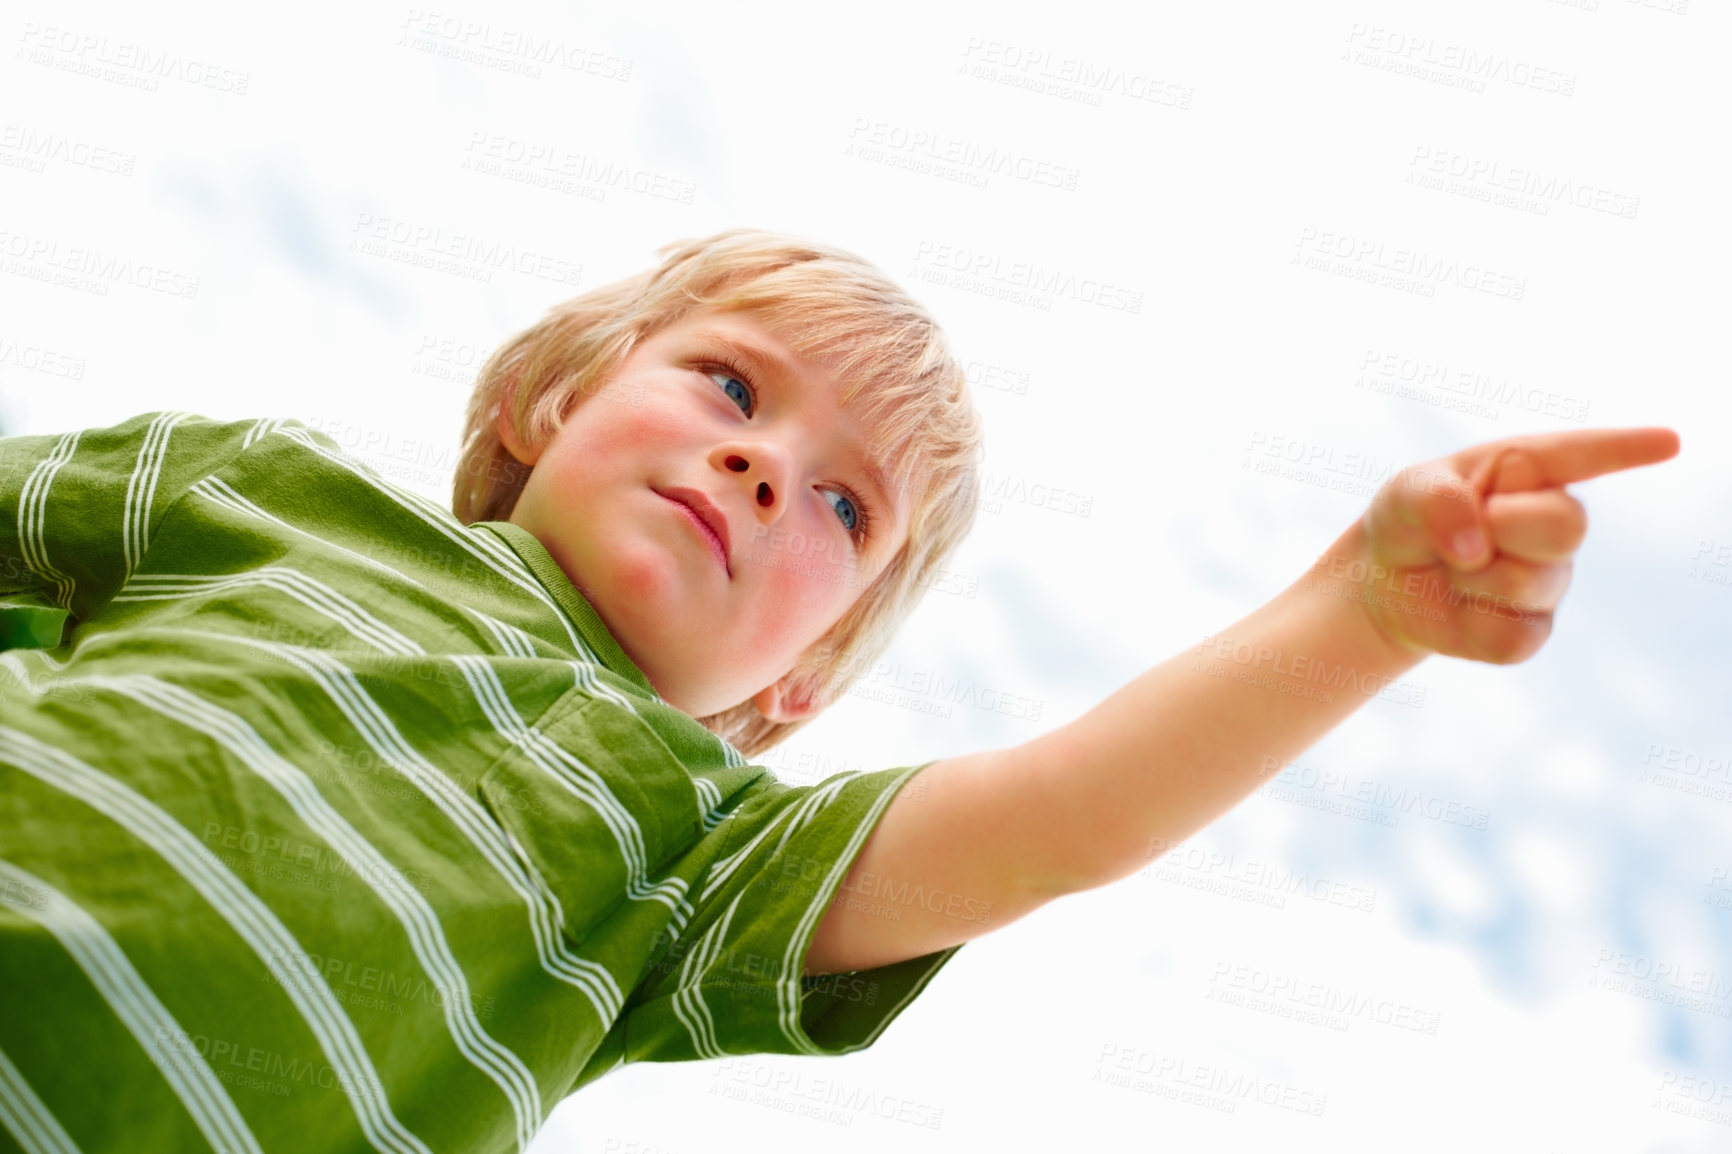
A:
x: 330, y: 823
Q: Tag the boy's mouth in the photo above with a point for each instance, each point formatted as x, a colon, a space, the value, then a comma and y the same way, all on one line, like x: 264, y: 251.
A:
x: 706, y: 517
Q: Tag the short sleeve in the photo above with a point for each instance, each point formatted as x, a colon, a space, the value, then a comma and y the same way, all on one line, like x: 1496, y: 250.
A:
x: 77, y: 511
x: 732, y: 982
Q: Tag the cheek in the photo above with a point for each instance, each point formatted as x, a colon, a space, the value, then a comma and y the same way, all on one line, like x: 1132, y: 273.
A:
x: 603, y: 449
x: 607, y: 427
x: 807, y: 586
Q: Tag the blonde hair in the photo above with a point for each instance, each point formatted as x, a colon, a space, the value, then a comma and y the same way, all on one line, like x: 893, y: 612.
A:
x: 829, y: 306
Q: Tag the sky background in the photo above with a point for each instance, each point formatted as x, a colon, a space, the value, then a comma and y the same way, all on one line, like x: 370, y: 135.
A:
x: 1541, y: 951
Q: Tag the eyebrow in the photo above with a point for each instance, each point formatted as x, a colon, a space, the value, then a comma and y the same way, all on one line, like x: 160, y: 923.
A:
x: 782, y: 370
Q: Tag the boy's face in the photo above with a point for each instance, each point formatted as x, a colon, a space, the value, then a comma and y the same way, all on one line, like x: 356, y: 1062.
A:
x: 713, y: 410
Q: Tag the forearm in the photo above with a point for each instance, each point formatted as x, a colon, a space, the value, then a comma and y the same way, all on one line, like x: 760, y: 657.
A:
x: 1186, y: 741
x: 1005, y: 831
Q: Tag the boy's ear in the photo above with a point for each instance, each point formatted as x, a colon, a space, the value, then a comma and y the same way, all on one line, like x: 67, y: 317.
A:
x: 524, y: 453
x: 777, y: 703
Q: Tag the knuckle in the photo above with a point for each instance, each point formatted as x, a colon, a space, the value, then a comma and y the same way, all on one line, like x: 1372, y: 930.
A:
x: 1441, y: 498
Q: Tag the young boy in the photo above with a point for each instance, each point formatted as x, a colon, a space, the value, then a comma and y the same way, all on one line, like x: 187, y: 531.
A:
x: 330, y: 821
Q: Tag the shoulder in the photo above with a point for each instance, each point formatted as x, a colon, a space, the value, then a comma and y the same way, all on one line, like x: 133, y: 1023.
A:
x: 165, y: 446
x: 173, y: 432
x: 190, y: 445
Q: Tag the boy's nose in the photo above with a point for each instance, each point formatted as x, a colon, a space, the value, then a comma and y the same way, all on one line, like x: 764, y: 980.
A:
x: 766, y: 497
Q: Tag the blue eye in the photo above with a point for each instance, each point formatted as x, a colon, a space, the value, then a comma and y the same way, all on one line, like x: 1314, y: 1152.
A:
x: 736, y: 390
x: 844, y: 509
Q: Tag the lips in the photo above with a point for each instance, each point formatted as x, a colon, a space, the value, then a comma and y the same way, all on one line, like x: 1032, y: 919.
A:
x: 707, y: 517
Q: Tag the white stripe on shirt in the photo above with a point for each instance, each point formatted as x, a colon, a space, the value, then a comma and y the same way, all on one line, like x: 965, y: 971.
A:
x: 141, y: 489
x: 309, y: 591
x: 413, y: 911
x: 27, y: 1117
x: 32, y: 512
x: 137, y: 1007
x: 256, y: 923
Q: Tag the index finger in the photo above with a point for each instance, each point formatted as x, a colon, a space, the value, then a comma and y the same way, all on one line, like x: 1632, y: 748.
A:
x: 1544, y: 460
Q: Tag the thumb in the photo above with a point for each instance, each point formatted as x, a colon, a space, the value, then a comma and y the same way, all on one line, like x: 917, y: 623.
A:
x: 1461, y: 532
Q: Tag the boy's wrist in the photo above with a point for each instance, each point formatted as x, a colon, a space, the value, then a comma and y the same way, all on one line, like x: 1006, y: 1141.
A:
x: 1349, y: 573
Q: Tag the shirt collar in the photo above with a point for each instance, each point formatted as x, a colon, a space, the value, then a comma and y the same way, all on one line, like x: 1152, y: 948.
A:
x: 552, y: 578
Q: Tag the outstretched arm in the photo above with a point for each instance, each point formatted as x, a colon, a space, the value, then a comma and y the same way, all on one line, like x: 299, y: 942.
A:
x: 1091, y: 802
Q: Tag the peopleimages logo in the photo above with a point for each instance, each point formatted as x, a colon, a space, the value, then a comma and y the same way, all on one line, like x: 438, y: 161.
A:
x: 1462, y: 389
x: 88, y: 269
x: 883, y: 141
x: 1423, y: 56
x: 1066, y: 77
x: 1365, y: 259
x: 504, y: 48
x: 1300, y: 779
x: 458, y: 253
x: 825, y: 1099
x: 1020, y: 282
x: 1522, y: 180
x: 40, y: 360
x: 1205, y: 1084
x: 123, y: 62
x: 1331, y: 1001
x: 552, y: 165
x: 22, y: 147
